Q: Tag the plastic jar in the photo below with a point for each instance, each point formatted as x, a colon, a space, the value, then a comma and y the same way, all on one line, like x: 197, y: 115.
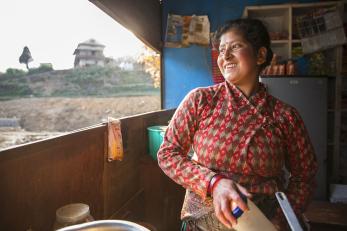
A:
x: 72, y: 214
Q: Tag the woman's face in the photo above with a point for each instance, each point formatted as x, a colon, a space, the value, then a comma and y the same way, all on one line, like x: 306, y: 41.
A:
x: 237, y: 61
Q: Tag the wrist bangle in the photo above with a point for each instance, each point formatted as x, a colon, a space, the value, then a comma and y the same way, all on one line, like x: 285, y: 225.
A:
x: 209, y: 189
x: 213, y: 183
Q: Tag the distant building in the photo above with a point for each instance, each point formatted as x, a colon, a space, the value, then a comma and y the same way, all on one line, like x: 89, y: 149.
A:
x: 127, y: 66
x: 47, y: 65
x: 89, y: 53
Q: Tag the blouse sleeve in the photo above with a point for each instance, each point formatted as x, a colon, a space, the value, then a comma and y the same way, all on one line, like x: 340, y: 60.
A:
x: 300, y: 162
x: 173, y: 153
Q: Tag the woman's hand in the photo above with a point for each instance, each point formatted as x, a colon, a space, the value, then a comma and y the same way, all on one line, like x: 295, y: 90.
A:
x: 224, y: 193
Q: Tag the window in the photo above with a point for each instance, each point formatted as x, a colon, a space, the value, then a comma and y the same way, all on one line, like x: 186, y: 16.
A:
x: 82, y: 71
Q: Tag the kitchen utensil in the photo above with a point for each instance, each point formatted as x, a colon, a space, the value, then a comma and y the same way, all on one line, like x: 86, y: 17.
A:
x: 106, y: 225
x: 288, y: 212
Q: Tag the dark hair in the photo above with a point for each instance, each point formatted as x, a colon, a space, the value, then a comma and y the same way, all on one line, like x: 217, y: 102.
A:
x: 253, y: 30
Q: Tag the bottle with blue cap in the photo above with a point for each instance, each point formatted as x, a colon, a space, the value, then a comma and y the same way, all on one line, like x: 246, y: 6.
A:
x: 251, y: 220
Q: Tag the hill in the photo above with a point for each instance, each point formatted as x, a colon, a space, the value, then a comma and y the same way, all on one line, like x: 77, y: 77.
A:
x: 91, y: 81
x: 54, y: 102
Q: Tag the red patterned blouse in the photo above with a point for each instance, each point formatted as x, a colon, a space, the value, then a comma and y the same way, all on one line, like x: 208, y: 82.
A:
x: 249, y: 140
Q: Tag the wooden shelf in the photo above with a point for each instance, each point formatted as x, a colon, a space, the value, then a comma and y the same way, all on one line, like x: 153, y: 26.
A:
x: 334, y: 110
x: 284, y: 41
x: 333, y: 144
x: 281, y: 18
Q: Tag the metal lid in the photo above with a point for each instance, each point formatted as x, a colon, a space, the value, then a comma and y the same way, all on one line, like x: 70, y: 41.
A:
x: 106, y: 225
x: 72, y: 213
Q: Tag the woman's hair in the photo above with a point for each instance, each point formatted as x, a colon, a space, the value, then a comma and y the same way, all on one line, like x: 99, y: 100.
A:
x: 253, y: 30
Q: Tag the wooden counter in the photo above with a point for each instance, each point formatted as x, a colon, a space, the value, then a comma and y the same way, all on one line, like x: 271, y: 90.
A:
x: 322, y: 215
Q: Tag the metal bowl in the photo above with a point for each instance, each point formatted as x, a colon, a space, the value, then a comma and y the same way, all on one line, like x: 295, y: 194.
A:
x: 106, y: 225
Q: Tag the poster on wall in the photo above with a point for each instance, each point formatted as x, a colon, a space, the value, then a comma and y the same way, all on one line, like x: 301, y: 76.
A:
x: 182, y: 31
x: 320, y: 29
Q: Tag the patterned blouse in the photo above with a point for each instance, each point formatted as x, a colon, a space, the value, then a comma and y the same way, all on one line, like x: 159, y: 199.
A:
x: 248, y: 140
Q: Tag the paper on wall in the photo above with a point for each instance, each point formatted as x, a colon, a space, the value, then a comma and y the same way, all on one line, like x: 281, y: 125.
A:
x: 182, y: 31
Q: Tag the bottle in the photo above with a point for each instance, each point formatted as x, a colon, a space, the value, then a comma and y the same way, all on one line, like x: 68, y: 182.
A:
x: 281, y: 69
x: 251, y: 220
x: 290, y: 67
x: 72, y: 214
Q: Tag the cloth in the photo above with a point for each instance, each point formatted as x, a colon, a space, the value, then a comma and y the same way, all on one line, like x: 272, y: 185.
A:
x: 114, y: 140
x: 207, y: 222
x: 248, y: 140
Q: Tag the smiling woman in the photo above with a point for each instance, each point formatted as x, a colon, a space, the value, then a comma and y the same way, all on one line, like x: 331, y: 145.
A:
x: 243, y: 46
x: 236, y: 59
x: 242, y: 138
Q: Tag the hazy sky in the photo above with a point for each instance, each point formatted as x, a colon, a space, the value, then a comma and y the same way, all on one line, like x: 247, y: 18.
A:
x: 52, y: 30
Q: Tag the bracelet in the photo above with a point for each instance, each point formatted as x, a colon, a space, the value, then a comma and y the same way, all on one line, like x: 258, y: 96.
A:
x: 213, y: 183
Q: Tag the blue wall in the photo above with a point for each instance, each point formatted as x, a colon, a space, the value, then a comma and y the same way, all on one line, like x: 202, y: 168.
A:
x: 187, y: 68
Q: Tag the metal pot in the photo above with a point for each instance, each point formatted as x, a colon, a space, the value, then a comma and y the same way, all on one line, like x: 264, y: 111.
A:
x: 106, y: 225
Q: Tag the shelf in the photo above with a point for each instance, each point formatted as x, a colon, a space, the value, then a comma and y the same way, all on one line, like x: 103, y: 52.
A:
x: 276, y: 18
x: 282, y: 18
x: 333, y: 110
x: 284, y: 41
x: 332, y: 144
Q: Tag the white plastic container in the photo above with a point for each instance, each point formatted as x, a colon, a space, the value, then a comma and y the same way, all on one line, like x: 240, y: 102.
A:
x: 72, y: 214
x: 338, y: 193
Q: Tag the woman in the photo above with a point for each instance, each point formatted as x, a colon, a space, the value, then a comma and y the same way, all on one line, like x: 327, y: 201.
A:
x: 242, y: 138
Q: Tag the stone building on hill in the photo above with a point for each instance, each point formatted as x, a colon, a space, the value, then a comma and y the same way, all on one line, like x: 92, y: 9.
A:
x: 89, y: 53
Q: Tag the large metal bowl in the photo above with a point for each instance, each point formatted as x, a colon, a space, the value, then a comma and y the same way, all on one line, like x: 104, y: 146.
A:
x: 106, y: 225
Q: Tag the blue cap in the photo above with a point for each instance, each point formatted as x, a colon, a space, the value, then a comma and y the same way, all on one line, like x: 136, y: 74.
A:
x: 237, y: 212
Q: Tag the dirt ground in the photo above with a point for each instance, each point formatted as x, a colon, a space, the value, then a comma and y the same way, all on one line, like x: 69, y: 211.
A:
x: 45, y: 117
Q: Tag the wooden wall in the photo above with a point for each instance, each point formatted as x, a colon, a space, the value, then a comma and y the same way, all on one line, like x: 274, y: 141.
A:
x: 38, y: 178
x: 160, y: 197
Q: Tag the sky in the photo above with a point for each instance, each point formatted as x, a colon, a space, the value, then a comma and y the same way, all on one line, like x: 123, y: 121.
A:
x: 52, y: 30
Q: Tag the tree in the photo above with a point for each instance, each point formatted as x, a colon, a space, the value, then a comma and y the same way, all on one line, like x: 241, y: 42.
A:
x: 25, y: 57
x: 13, y: 72
x: 151, y: 62
x: 44, y: 67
